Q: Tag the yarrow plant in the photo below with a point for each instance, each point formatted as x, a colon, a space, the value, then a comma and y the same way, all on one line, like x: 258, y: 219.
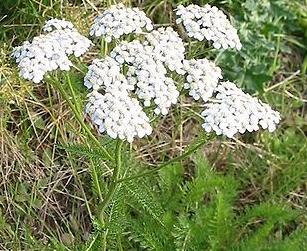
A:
x: 139, y: 72
x: 138, y: 79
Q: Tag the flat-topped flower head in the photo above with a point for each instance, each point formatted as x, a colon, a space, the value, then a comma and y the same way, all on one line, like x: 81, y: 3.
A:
x: 144, y: 77
x: 208, y: 23
x: 119, y: 20
x: 168, y: 48
x: 202, y: 78
x: 234, y: 111
x: 117, y: 114
x: 57, y: 24
x: 49, y: 52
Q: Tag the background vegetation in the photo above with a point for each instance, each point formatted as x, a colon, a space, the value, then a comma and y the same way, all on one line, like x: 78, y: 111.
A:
x: 243, y: 194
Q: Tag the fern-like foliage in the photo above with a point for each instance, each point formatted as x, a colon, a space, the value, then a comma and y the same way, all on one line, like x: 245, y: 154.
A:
x: 202, y: 211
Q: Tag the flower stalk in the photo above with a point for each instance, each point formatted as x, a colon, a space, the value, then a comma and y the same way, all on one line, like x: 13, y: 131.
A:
x: 114, y: 179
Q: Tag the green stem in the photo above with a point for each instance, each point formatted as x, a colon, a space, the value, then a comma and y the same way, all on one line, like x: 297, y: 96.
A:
x: 72, y: 91
x: 114, y: 181
x: 176, y: 159
x: 80, y: 119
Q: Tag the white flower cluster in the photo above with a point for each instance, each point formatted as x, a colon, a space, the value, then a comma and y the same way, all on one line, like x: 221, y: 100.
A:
x: 234, y: 111
x: 119, y: 20
x: 118, y: 114
x: 168, y: 48
x: 148, y: 74
x: 114, y: 112
x: 208, y: 23
x: 145, y: 75
x: 139, y: 70
x: 49, y: 52
x: 202, y: 78
x: 57, y: 24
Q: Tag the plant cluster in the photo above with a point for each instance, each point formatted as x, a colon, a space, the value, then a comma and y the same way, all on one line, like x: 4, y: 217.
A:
x: 141, y: 69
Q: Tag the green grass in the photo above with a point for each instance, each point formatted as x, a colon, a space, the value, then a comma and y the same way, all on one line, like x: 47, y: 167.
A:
x: 244, y: 194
